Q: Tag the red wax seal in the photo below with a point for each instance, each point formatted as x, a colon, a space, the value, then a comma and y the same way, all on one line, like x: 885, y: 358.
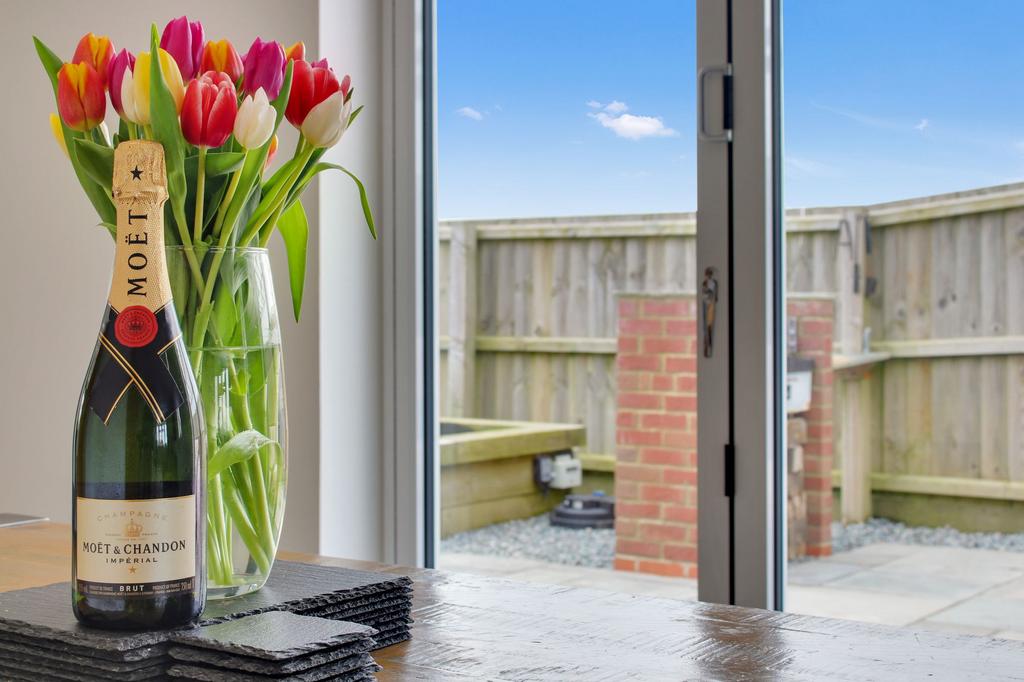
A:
x: 135, y: 326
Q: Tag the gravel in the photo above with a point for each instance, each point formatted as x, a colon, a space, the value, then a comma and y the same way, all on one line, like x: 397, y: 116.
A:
x: 845, y: 538
x: 535, y: 538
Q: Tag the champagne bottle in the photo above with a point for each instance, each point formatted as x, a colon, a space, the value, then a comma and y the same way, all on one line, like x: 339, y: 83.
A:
x: 139, y: 509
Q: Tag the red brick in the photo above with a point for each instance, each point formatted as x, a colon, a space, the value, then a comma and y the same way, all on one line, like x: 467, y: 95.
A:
x: 628, y: 344
x: 680, y: 477
x: 662, y: 493
x: 819, y: 551
x: 661, y: 532
x: 677, y: 365
x: 628, y: 307
x: 679, y: 439
x: 637, y: 548
x: 639, y: 327
x: 654, y: 345
x: 635, y: 381
x: 662, y: 457
x: 636, y: 472
x: 818, y: 482
x: 681, y: 513
x: 667, y: 307
x: 649, y: 363
x: 625, y: 528
x: 686, y: 328
x: 639, y: 401
x: 639, y: 510
x: 681, y: 403
x: 662, y: 568
x: 622, y: 564
x: 659, y: 420
x: 662, y: 382
x: 633, y: 437
x: 626, y: 490
x: 626, y: 454
x: 625, y: 419
x: 686, y: 383
x: 680, y: 553
x: 814, y: 327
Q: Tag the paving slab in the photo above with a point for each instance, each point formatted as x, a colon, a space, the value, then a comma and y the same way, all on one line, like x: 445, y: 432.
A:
x: 995, y: 612
x: 912, y: 583
x: 820, y: 571
x: 864, y: 605
x: 877, y: 554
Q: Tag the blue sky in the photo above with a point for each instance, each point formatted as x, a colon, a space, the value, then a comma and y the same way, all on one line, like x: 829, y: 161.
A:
x: 574, y: 107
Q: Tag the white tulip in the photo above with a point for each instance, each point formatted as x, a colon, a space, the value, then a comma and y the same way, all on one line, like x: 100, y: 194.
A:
x: 326, y: 122
x: 131, y: 111
x: 255, y: 121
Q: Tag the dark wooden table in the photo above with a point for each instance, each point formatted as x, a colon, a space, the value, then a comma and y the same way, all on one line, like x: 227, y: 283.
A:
x: 475, y: 628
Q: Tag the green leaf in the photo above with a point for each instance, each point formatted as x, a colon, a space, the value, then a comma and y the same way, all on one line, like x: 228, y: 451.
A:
x: 51, y: 62
x: 164, y: 120
x: 225, y: 317
x: 363, y: 199
x: 217, y: 164
x: 240, y: 448
x: 97, y: 161
x: 353, y: 115
x: 294, y: 229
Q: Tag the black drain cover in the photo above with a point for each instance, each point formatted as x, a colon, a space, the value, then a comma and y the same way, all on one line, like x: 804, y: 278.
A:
x: 585, y: 511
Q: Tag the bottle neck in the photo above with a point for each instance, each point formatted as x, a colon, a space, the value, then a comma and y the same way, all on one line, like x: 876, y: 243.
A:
x: 140, y: 264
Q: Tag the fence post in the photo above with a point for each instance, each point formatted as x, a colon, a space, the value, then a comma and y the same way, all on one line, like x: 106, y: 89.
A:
x: 851, y: 253
x: 461, y: 321
x: 855, y: 444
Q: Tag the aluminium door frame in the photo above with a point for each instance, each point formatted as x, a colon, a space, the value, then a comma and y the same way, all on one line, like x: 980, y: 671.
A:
x: 741, y: 528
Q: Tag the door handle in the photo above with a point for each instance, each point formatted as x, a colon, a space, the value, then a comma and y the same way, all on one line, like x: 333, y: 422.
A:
x: 725, y: 71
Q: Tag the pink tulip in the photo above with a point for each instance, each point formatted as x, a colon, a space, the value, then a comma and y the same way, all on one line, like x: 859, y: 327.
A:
x: 264, y: 68
x: 123, y: 62
x: 184, y: 40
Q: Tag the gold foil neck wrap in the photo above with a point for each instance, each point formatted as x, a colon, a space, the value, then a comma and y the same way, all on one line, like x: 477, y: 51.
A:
x: 140, y: 176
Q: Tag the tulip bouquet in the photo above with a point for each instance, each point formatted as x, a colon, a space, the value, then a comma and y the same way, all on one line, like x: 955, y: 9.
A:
x: 217, y: 113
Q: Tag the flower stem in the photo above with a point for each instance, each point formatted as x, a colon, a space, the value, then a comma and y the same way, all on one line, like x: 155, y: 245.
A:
x: 257, y: 222
x: 197, y: 233
x: 226, y: 201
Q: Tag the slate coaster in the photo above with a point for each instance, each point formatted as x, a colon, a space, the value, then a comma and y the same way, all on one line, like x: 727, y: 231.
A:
x: 219, y: 659
x: 38, y: 670
x: 275, y: 635
x: 38, y: 651
x: 296, y: 587
x: 327, y: 672
x: 81, y: 665
x: 45, y: 613
x: 389, y: 603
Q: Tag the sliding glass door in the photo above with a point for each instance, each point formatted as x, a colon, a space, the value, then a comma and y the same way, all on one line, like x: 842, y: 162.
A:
x: 604, y: 259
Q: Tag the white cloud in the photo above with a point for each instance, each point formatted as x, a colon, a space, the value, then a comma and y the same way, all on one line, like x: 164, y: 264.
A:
x: 470, y: 112
x: 594, y: 104
x: 616, y: 107
x: 634, y: 127
x: 922, y: 125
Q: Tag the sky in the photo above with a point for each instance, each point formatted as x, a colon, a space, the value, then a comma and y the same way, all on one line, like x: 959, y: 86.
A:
x: 585, y: 107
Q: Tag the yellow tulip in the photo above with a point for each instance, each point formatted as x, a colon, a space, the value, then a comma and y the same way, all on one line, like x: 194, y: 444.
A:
x: 58, y: 132
x: 140, y: 77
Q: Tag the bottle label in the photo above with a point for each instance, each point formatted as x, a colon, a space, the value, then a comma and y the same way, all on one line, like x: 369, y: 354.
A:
x: 136, y: 548
x: 140, y: 323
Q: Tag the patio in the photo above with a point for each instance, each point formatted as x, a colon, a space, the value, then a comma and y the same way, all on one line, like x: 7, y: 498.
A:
x: 950, y: 589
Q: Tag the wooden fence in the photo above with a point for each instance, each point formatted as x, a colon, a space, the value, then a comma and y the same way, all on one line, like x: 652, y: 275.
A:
x: 933, y: 404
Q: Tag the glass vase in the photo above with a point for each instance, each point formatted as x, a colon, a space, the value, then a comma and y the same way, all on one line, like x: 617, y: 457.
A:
x: 228, y: 315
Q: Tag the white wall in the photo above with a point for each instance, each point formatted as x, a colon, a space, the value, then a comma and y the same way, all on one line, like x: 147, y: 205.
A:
x: 350, y: 321
x: 55, y: 265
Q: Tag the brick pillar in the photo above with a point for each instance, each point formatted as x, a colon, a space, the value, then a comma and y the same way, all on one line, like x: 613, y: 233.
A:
x: 815, y: 323
x: 656, y: 435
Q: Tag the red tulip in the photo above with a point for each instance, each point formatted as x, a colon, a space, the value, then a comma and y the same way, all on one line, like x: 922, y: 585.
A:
x: 184, y: 41
x: 310, y: 86
x: 297, y: 51
x: 208, y: 112
x: 220, y: 55
x: 96, y: 51
x: 81, y: 101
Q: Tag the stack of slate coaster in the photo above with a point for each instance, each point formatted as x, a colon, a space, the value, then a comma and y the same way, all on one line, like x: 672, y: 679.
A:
x: 40, y: 639
x: 275, y: 644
